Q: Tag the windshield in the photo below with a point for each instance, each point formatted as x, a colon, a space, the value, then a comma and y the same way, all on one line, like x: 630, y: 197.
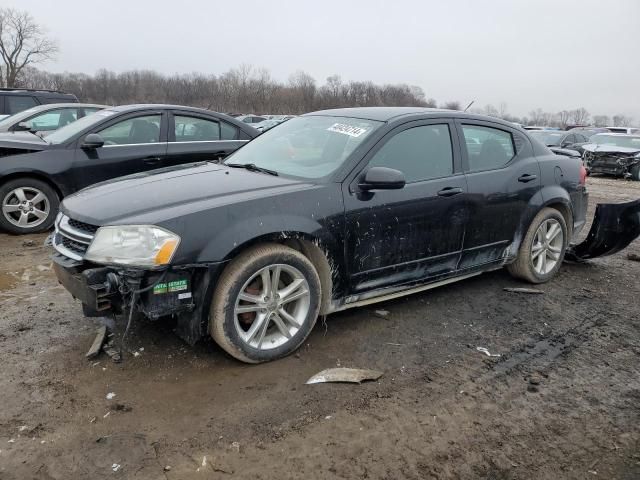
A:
x: 66, y: 133
x: 617, y: 141
x: 306, y: 147
x: 547, y: 137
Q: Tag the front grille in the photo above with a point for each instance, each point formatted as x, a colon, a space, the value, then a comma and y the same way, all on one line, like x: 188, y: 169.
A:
x: 72, y: 238
x: 83, y: 227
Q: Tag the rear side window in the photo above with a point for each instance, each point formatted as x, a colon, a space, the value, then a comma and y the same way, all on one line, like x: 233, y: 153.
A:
x: 487, y: 148
x: 133, y: 131
x: 421, y: 153
x: 18, y: 103
x: 228, y: 131
x: 192, y: 129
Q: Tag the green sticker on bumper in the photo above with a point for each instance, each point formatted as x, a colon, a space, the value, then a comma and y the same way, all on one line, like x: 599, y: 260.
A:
x: 170, y: 287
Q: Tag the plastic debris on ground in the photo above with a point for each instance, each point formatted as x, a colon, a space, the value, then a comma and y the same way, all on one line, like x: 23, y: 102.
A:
x: 486, y: 352
x: 533, y: 291
x: 344, y: 375
x: 110, y: 395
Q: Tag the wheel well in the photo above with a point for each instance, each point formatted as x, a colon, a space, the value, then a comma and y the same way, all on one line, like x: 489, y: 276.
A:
x: 35, y: 176
x: 567, y: 214
x: 310, y: 248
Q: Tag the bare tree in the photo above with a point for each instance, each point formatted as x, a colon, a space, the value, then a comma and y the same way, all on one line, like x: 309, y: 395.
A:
x: 452, y: 105
x: 22, y: 43
x: 620, y: 120
x: 601, y: 120
x: 579, y: 116
x: 563, y: 117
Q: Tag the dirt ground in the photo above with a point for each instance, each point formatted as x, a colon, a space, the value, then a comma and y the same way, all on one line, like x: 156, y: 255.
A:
x: 561, y: 402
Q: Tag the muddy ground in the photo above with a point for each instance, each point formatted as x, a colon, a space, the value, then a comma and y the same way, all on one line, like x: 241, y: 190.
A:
x: 562, y: 400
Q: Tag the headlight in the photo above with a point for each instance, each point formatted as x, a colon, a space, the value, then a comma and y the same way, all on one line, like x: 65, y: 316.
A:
x: 135, y: 245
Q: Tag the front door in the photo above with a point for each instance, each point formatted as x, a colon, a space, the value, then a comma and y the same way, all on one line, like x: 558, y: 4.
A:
x: 132, y: 144
x: 396, y: 237
x: 502, y: 175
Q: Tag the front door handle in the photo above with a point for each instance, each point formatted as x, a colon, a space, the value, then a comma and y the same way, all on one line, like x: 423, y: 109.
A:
x: 526, y: 178
x: 449, y: 191
x: 152, y: 160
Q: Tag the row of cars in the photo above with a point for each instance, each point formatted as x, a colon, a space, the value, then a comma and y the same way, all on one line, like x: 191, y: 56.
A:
x: 603, y: 150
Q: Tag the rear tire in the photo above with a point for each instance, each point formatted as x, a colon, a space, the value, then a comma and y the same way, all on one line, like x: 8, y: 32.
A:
x: 265, y: 304
x: 27, y: 205
x: 542, y: 250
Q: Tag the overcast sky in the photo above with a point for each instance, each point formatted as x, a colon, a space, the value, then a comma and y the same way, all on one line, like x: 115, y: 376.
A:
x: 552, y: 54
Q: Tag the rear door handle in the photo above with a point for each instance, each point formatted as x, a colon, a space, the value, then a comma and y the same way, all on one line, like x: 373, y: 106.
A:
x: 152, y: 160
x: 449, y: 191
x: 526, y: 178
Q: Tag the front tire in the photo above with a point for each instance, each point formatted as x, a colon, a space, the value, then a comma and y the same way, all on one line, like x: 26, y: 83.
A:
x: 635, y: 173
x: 27, y: 205
x: 542, y: 250
x: 265, y: 304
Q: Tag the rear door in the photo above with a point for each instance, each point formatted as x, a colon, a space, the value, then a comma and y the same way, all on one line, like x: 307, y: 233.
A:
x: 502, y: 177
x: 133, y: 143
x: 196, y: 137
x: 400, y: 236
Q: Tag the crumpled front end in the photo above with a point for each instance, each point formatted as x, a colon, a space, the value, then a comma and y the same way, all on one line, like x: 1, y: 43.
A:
x: 611, y: 163
x: 614, y: 227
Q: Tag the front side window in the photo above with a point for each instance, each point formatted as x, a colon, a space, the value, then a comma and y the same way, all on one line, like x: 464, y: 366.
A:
x: 18, y: 103
x: 228, y: 131
x: 53, y: 119
x: 306, y: 147
x: 192, y: 129
x: 421, y: 153
x: 133, y: 131
x: 493, y: 148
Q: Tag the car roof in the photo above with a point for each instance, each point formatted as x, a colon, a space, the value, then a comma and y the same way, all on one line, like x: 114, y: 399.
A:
x: 149, y: 106
x: 36, y: 92
x: 387, y: 114
x: 53, y: 106
x: 614, y: 134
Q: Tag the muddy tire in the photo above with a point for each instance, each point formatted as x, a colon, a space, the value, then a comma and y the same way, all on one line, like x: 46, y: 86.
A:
x: 265, y: 304
x: 27, y: 205
x: 635, y: 173
x: 542, y: 251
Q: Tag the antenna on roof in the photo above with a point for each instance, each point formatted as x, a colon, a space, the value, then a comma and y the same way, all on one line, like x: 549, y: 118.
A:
x: 469, y: 106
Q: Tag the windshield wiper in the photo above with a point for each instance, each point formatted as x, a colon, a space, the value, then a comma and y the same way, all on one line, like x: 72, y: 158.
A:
x: 252, y: 167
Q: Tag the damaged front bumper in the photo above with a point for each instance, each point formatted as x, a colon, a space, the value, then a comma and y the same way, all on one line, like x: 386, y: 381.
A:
x: 611, y: 163
x: 181, y: 292
x: 614, y: 227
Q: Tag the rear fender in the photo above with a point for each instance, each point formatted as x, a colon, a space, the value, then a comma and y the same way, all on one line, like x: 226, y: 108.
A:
x: 614, y: 227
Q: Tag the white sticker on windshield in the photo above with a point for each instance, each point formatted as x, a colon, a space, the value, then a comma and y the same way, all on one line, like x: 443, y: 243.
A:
x: 347, y: 129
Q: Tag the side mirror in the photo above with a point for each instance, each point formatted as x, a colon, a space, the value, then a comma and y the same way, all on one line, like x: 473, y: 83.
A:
x: 21, y: 127
x: 93, y: 140
x: 382, y: 178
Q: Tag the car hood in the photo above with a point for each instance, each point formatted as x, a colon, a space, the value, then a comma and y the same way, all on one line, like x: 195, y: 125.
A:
x: 167, y: 193
x: 594, y: 148
x: 22, y: 141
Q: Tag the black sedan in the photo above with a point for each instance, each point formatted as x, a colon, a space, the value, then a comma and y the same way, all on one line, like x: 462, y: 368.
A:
x: 37, y: 172
x: 47, y: 118
x: 328, y: 211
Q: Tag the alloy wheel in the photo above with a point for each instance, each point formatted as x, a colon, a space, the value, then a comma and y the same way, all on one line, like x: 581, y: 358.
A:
x: 272, y: 306
x: 26, y: 207
x: 547, y: 246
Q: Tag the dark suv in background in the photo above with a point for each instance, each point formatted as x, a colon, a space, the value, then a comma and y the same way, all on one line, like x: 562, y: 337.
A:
x: 14, y: 100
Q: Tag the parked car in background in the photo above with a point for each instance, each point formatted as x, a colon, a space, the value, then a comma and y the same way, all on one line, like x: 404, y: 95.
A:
x: 613, y: 154
x: 14, y: 100
x: 47, y: 118
x: 559, y: 138
x: 266, y: 125
x: 588, y: 131
x: 627, y: 130
x: 330, y: 210
x: 37, y: 172
x: 251, y: 118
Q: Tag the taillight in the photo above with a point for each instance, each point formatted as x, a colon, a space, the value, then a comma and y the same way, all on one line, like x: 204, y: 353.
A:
x: 583, y: 175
